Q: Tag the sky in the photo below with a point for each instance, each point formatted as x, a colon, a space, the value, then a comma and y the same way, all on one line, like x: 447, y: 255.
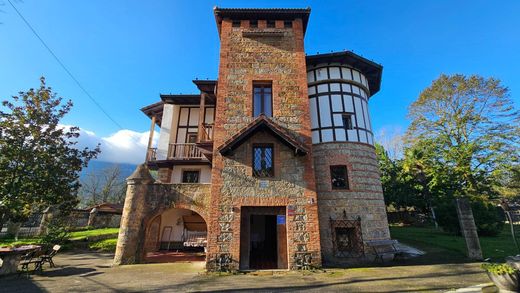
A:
x: 125, y: 53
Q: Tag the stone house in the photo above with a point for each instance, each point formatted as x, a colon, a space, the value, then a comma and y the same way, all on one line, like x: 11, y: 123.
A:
x: 272, y: 165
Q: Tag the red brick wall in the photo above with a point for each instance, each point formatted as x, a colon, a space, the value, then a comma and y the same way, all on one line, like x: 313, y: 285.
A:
x: 280, y: 59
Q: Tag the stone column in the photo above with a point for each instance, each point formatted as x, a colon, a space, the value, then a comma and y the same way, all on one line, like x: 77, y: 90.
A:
x: 468, y: 228
x: 130, y: 241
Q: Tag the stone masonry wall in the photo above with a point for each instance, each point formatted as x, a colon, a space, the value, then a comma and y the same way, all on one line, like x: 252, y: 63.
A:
x: 144, y: 203
x: 281, y: 60
x: 364, y: 199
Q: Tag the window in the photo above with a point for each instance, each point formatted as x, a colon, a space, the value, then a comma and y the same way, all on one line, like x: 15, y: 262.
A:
x: 190, y: 176
x: 347, y: 122
x: 263, y: 161
x: 262, y: 99
x: 338, y: 177
x: 253, y: 23
x: 191, y: 138
x: 270, y: 23
x: 235, y: 23
x: 287, y: 24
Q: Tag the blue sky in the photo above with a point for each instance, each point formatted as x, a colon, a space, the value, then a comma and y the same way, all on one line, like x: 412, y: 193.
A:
x: 127, y: 52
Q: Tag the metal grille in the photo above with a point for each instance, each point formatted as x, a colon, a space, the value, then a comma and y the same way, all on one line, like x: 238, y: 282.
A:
x: 263, y: 161
x: 347, y: 238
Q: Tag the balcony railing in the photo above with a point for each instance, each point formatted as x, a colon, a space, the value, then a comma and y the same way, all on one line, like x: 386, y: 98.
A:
x: 207, y: 132
x: 184, y: 151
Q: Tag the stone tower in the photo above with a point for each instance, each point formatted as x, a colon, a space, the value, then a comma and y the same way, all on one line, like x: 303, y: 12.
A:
x: 350, y: 197
x: 262, y: 120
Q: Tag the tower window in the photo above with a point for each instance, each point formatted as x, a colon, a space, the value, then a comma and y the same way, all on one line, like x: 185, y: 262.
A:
x: 235, y: 23
x: 263, y: 161
x: 287, y: 24
x: 253, y: 23
x: 262, y: 99
x: 339, y: 177
x: 270, y: 23
x: 347, y: 122
x: 190, y: 176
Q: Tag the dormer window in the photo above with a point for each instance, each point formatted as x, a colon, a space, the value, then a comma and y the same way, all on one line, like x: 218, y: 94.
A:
x: 262, y: 99
x: 271, y: 24
x: 235, y: 23
x: 287, y: 24
x: 253, y: 24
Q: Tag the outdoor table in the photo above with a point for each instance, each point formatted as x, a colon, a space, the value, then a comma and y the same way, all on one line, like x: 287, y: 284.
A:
x: 11, y: 257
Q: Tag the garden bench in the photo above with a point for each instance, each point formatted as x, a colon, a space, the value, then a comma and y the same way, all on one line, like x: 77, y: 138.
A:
x: 382, y: 248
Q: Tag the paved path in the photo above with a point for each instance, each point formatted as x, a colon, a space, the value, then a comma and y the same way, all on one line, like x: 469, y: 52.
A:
x: 87, y: 272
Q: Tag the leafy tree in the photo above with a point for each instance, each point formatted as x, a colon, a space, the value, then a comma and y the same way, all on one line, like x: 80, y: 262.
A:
x: 471, y: 124
x: 464, y: 131
x: 39, y: 160
x: 105, y: 186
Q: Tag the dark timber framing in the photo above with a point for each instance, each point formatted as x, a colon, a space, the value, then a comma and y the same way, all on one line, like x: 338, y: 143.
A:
x: 346, y: 91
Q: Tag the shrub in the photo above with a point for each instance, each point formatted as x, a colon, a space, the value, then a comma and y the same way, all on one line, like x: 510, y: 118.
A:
x: 489, y: 218
x: 56, y: 233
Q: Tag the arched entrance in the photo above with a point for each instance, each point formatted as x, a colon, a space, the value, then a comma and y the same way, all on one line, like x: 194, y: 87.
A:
x: 176, y: 235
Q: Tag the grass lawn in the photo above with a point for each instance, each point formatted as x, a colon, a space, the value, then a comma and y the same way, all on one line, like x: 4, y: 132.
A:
x: 106, y: 245
x: 78, y: 235
x: 444, y: 246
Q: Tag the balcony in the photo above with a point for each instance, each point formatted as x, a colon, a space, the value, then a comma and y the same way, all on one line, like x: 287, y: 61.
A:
x: 178, y: 153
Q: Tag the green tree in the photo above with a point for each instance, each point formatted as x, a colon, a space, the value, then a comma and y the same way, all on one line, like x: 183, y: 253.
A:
x: 39, y: 160
x: 472, y: 126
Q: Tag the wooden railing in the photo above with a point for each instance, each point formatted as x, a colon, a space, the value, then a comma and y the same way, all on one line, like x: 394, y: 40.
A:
x: 207, y: 132
x: 151, y: 154
x: 184, y: 151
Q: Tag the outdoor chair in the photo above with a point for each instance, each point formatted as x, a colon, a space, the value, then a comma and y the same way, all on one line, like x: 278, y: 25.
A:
x: 28, y: 259
x: 48, y: 257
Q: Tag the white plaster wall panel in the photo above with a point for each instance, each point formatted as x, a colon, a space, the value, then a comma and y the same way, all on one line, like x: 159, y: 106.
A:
x: 337, y: 103
x: 210, y: 113
x: 181, y: 135
x: 314, y: 113
x: 338, y: 120
x: 164, y: 135
x: 340, y: 134
x: 326, y: 135
x: 310, y: 76
x: 347, y: 73
x: 323, y: 88
x: 183, y: 120
x: 173, y: 219
x: 352, y: 135
x: 335, y: 87
x: 347, y: 102
x: 334, y: 73
x: 365, y: 112
x: 359, y: 112
x: 205, y: 173
x: 321, y: 74
x: 325, y: 115
x: 194, y: 116
x: 315, y: 136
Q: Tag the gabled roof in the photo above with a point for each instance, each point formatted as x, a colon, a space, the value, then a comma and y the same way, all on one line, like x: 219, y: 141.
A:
x: 262, y: 14
x: 262, y: 123
x: 371, y: 70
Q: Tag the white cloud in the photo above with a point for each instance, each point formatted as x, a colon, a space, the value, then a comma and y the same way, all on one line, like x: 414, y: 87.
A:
x: 123, y: 146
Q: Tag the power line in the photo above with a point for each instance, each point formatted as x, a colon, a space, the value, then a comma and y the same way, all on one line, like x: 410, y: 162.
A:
x: 65, y: 68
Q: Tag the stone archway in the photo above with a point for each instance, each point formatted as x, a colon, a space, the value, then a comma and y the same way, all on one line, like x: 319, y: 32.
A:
x: 175, y: 234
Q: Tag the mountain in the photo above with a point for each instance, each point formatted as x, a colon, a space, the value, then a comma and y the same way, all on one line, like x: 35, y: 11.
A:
x: 97, y: 167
